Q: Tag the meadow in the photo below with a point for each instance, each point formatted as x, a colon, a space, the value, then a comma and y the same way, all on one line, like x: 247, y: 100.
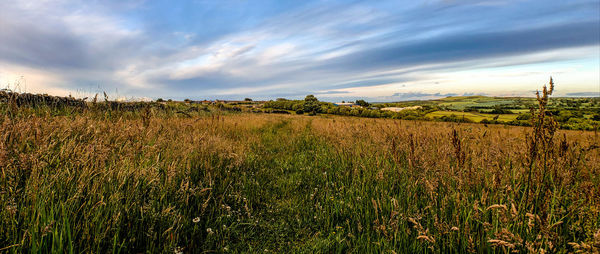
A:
x: 152, y: 178
x: 570, y: 113
x: 473, y: 116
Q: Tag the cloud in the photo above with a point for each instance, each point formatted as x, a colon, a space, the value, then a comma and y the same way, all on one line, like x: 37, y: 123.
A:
x: 332, y: 92
x: 428, y: 95
x: 202, y: 48
x: 473, y: 46
x: 584, y: 94
x: 51, y: 36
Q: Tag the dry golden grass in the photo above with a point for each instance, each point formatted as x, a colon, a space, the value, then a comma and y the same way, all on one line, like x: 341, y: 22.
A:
x: 250, y: 182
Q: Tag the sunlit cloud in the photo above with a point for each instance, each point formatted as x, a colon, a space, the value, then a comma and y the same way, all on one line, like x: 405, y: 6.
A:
x: 381, y: 50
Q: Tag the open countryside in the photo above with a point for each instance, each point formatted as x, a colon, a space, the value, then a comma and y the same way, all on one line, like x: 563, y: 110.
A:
x: 299, y: 126
x: 571, y: 113
x: 235, y: 176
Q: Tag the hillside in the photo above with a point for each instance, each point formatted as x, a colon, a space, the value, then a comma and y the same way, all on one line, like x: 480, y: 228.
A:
x: 571, y: 113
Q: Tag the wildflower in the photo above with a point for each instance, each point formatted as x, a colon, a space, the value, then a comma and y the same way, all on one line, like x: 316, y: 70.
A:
x: 209, y: 231
x: 196, y: 220
x: 178, y: 250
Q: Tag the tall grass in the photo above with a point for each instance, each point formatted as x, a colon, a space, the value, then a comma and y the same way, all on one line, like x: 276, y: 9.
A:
x: 145, y: 181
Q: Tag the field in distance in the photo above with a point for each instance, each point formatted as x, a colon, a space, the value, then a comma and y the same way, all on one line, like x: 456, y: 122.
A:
x: 143, y: 179
x: 473, y: 116
x: 570, y: 113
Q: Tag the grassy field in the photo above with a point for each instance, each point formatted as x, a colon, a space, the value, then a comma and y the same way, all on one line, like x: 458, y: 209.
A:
x: 462, y: 102
x: 570, y: 113
x: 475, y: 117
x: 107, y: 181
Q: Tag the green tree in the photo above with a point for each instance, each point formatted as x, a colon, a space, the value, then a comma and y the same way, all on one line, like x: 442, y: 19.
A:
x: 363, y: 103
x: 524, y: 116
x: 564, y: 116
x: 311, y: 104
x: 297, y: 107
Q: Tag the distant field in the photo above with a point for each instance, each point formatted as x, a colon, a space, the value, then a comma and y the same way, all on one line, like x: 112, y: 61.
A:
x: 517, y: 111
x: 571, y: 113
x: 475, y: 117
x: 462, y: 102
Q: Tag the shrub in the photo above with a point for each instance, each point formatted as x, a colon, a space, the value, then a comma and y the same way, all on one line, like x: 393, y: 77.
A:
x: 525, y: 116
x: 311, y: 104
x: 362, y: 103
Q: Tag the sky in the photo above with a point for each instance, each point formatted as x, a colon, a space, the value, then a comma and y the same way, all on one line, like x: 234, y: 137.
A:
x: 266, y: 49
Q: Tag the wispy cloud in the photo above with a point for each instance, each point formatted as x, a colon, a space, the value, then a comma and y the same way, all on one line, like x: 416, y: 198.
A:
x: 420, y: 95
x: 237, y: 49
x: 584, y: 94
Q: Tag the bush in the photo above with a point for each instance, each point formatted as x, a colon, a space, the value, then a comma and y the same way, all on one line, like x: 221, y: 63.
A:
x: 456, y: 119
x: 311, y: 104
x: 362, y: 103
x: 299, y: 112
x: 525, y: 116
x: 500, y: 111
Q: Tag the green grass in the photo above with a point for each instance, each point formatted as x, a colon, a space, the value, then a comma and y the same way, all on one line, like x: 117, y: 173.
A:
x: 475, y: 117
x: 462, y: 102
x: 517, y: 111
